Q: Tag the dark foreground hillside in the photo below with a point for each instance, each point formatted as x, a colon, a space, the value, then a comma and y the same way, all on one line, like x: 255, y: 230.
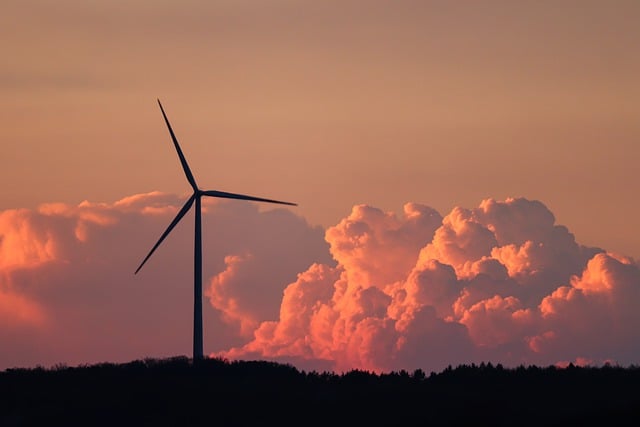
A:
x: 174, y: 392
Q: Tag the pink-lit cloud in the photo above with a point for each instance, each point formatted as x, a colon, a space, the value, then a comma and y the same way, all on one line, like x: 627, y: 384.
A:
x: 68, y: 292
x: 501, y: 282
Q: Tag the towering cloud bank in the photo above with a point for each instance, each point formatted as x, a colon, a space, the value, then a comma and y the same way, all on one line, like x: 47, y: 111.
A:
x: 501, y: 282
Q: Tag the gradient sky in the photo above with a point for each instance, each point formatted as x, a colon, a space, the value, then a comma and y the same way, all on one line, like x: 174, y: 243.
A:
x: 330, y: 104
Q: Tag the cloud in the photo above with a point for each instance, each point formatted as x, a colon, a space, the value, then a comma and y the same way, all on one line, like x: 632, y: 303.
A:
x: 501, y: 282
x: 375, y: 247
x: 597, y: 311
x: 249, y: 289
x: 16, y: 310
x: 68, y: 292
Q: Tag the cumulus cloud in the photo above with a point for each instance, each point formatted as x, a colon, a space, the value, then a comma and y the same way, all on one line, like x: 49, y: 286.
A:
x: 501, y: 282
x: 597, y: 310
x: 68, y: 292
x: 249, y: 289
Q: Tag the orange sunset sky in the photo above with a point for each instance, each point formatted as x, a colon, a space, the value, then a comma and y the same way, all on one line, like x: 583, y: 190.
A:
x: 466, y: 174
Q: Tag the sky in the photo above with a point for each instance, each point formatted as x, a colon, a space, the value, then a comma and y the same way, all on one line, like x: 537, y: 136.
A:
x: 465, y: 174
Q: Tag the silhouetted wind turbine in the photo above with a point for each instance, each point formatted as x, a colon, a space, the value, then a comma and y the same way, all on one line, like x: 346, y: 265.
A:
x: 197, y: 261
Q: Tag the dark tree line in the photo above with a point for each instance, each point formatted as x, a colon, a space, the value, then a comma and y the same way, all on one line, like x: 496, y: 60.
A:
x: 215, y: 392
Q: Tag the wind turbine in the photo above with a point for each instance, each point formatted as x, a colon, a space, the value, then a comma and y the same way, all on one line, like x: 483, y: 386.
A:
x: 197, y: 261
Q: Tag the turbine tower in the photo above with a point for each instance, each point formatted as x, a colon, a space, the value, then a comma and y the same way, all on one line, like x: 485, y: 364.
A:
x: 197, y: 261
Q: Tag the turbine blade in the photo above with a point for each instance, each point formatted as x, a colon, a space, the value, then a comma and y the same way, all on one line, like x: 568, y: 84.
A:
x: 225, y: 195
x: 177, y: 219
x: 183, y: 161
